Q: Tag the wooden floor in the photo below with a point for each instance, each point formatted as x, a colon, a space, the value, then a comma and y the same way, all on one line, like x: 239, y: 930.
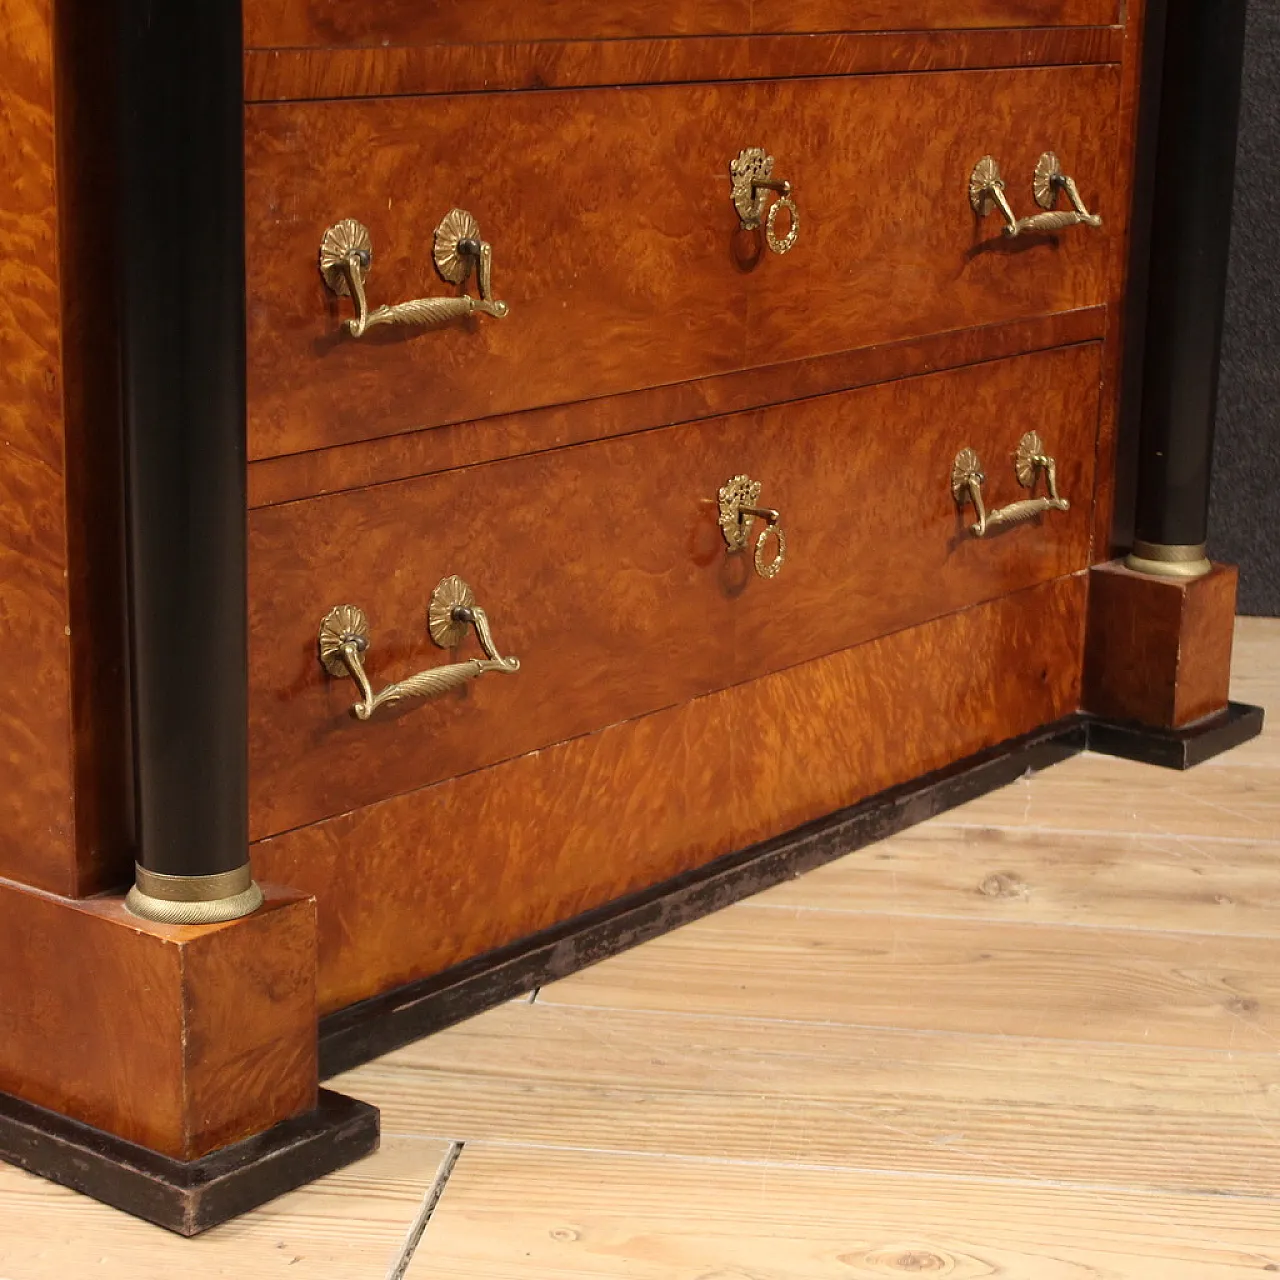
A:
x: 1034, y: 1039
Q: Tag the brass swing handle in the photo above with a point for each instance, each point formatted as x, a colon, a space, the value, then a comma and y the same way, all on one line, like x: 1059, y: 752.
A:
x: 986, y: 189
x: 344, y: 639
x: 346, y: 255
x: 967, y: 479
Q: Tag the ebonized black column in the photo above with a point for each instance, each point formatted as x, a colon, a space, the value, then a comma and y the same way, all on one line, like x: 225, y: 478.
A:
x: 1190, y: 235
x: 180, y: 227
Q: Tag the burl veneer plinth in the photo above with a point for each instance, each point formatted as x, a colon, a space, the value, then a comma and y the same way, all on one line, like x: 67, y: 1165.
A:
x: 178, y: 1046
x: 1158, y: 651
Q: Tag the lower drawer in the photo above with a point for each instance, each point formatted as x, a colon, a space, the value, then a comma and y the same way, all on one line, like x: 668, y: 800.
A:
x: 603, y: 569
x: 417, y: 884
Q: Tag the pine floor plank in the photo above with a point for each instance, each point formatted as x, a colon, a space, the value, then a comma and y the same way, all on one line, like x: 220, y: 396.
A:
x: 526, y: 1214
x: 1255, y: 678
x: 1163, y: 882
x: 351, y: 1225
x: 1100, y: 793
x: 834, y: 1096
x: 1194, y: 990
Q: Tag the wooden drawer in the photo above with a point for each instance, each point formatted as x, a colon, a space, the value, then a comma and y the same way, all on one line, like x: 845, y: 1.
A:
x: 617, y: 246
x: 602, y: 567
x: 338, y: 23
x: 424, y: 881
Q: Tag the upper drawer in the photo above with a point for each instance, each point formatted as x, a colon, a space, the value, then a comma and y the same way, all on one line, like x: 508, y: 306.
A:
x: 618, y: 248
x: 340, y: 23
x: 603, y: 568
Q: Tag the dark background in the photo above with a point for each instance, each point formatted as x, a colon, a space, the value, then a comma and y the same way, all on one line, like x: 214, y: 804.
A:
x: 1244, y: 515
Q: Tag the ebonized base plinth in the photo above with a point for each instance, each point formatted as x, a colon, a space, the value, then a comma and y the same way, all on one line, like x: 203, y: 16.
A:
x: 1178, y: 748
x: 188, y: 1197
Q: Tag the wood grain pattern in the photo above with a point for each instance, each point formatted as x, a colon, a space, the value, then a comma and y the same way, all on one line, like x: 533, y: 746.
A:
x: 1195, y: 990
x: 62, y: 690
x: 1255, y: 678
x: 182, y: 1039
x: 639, y: 605
x: 409, y: 886
x: 1099, y: 793
x: 1159, y: 649
x: 350, y: 1226
x: 804, y: 748
x: 1133, y: 881
x: 1204, y: 650
x: 595, y: 312
x: 586, y: 1215
x: 37, y: 836
x: 290, y: 74
x: 353, y: 1036
x: 329, y: 23
x: 354, y: 466
x: 96, y: 582
x: 249, y: 997
x: 832, y: 1095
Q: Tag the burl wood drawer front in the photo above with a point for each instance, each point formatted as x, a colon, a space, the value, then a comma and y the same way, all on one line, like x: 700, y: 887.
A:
x: 618, y: 248
x: 603, y: 569
x: 330, y: 23
x: 424, y: 881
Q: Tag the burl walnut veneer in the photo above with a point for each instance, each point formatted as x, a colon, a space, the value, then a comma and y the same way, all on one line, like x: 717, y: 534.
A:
x: 607, y: 381
x: 330, y: 24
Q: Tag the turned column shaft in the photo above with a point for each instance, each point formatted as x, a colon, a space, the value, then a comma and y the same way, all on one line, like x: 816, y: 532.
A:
x: 1190, y: 236
x: 180, y: 247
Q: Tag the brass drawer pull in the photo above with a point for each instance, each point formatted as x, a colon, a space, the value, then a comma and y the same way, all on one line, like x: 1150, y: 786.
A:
x: 986, y: 190
x: 346, y: 254
x: 752, y: 176
x: 738, y: 510
x: 967, y: 480
x: 344, y: 639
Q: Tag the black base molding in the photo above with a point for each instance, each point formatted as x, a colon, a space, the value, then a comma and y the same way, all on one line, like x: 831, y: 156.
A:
x: 1178, y: 748
x: 372, y: 1027
x: 188, y: 1197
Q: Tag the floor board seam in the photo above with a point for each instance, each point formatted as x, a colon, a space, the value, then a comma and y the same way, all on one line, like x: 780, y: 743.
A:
x: 874, y: 1171
x: 944, y: 821
x: 1005, y: 921
x: 418, y: 1227
x: 1156, y: 1046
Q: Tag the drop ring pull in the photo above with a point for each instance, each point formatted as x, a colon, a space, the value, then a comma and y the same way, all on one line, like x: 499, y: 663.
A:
x: 752, y: 177
x: 738, y: 505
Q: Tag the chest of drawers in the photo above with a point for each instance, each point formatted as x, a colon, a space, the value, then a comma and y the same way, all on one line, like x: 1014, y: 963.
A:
x: 564, y: 450
x: 566, y: 468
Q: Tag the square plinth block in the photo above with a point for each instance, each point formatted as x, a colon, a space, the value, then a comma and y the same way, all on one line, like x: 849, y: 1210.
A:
x: 1158, y: 650
x: 180, y: 1038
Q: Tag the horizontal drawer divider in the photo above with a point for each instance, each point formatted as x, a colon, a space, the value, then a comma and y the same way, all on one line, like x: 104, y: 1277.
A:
x: 293, y: 74
x: 387, y: 459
